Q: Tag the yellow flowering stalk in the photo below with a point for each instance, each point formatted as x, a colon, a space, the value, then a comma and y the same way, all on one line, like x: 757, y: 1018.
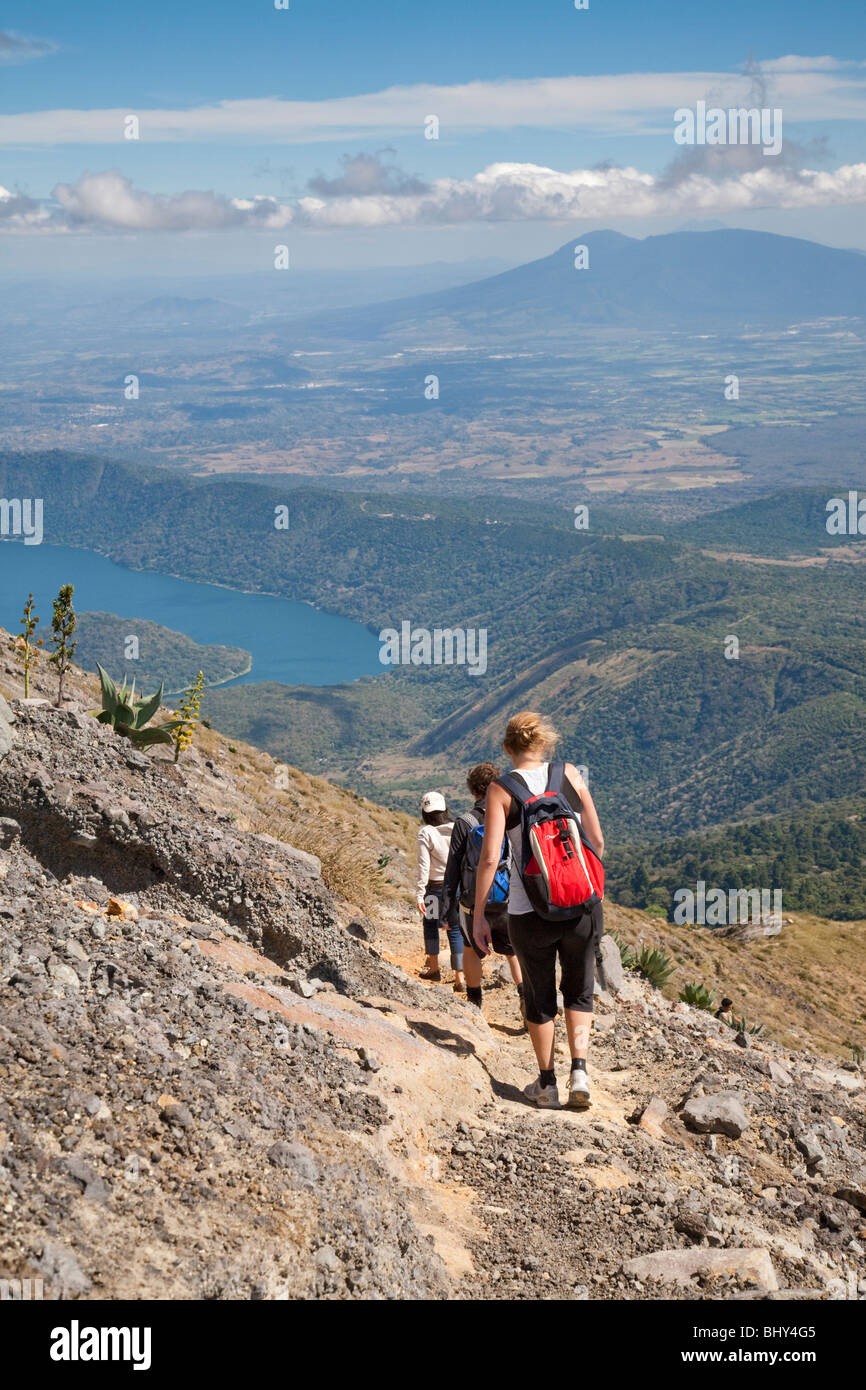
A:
x: 187, y: 716
x: 27, y: 642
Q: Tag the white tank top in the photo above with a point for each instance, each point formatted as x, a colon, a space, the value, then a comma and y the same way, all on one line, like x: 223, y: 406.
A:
x: 536, y: 780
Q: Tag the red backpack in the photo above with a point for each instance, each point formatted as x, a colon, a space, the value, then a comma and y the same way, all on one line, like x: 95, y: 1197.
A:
x: 561, y: 872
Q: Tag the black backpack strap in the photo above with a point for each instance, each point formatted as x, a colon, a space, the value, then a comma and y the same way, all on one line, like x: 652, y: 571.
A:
x: 516, y: 787
x: 556, y: 776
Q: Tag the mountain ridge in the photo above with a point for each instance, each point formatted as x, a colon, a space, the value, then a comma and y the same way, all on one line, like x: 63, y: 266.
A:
x: 720, y: 279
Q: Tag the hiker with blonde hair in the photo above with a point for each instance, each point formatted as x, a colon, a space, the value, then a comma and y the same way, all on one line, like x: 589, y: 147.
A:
x: 434, y: 841
x: 554, y: 908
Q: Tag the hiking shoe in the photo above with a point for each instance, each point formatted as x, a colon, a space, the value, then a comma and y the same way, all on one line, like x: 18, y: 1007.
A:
x: 545, y: 1097
x: 434, y: 975
x: 579, y: 1097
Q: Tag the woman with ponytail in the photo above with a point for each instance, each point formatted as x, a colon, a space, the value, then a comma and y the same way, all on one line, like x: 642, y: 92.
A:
x: 529, y: 741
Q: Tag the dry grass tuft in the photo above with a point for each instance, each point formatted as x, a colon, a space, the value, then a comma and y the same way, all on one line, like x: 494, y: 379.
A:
x: 348, y: 869
x: 807, y: 986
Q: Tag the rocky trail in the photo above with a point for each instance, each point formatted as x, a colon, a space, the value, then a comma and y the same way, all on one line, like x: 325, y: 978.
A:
x: 709, y: 1166
x: 219, y: 1081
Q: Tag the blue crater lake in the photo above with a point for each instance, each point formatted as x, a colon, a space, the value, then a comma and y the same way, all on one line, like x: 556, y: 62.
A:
x: 289, y: 642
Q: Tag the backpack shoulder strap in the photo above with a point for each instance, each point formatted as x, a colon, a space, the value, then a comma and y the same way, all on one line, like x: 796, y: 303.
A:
x: 516, y: 787
x: 469, y: 818
x: 556, y: 776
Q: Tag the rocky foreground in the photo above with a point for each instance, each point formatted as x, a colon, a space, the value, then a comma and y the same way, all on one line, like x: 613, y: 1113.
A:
x: 219, y: 1082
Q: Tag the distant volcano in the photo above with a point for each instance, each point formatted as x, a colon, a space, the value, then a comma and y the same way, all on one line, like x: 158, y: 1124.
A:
x: 693, y: 281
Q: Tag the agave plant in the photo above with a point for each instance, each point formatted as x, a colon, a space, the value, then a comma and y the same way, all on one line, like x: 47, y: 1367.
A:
x: 740, y: 1025
x: 128, y: 715
x: 698, y: 996
x: 627, y: 955
x: 655, y: 965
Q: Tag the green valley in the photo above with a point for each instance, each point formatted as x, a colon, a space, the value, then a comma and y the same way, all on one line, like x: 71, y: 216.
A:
x: 627, y: 640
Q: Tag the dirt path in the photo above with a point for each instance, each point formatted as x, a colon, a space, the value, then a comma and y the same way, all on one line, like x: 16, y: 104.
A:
x: 529, y: 1204
x: 531, y: 1188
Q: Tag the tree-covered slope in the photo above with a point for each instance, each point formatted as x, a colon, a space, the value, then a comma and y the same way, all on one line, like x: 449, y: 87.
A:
x: 627, y: 642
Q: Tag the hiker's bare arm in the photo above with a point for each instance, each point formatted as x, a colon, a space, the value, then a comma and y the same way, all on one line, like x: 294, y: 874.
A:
x: 495, y: 810
x: 588, y: 814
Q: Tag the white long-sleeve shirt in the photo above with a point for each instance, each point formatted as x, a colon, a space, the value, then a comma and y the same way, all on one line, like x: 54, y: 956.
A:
x: 433, y: 844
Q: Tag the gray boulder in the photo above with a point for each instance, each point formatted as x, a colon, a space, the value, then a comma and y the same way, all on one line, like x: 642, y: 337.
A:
x: 810, y: 1149
x: 653, y: 1117
x: 7, y: 738
x: 304, y: 864
x: 609, y: 960
x: 9, y: 831
x: 722, y: 1113
x: 300, y: 986
x: 63, y: 1275
x: 296, y: 1157
x: 681, y: 1266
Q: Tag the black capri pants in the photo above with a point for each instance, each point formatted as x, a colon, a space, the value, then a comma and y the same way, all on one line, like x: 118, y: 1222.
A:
x: 537, y: 944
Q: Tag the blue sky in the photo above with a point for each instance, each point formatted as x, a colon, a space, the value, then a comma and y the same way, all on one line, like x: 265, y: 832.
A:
x: 303, y: 92
x: 203, y: 50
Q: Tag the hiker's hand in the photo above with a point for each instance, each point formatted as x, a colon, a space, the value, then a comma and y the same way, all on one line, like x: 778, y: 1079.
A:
x: 422, y: 907
x: 481, y: 934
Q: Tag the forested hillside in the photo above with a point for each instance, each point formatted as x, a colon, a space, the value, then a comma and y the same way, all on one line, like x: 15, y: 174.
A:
x: 629, y: 641
x: 162, y: 654
x: 816, y: 857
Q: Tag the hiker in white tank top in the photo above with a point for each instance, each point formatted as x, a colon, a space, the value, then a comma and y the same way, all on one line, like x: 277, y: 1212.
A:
x: 536, y: 780
x: 542, y: 944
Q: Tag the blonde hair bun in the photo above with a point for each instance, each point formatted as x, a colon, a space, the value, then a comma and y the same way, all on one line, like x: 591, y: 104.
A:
x: 529, y: 732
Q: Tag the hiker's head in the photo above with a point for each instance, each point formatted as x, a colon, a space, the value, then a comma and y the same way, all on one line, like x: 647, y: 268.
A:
x: 727, y: 1003
x: 529, y: 732
x: 434, y: 810
x: 478, y: 779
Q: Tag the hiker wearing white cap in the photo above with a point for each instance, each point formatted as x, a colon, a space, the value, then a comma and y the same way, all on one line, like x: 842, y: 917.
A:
x: 434, y: 839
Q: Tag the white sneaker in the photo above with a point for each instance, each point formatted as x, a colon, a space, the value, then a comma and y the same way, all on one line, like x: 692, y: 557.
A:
x: 579, y: 1097
x: 545, y: 1097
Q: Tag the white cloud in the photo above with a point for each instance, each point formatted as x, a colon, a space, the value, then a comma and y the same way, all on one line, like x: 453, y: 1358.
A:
x: 20, y: 213
x: 110, y: 200
x: 364, y: 174
x: 809, y: 89
x: 500, y: 193
x: 793, y: 63
x: 17, y: 48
